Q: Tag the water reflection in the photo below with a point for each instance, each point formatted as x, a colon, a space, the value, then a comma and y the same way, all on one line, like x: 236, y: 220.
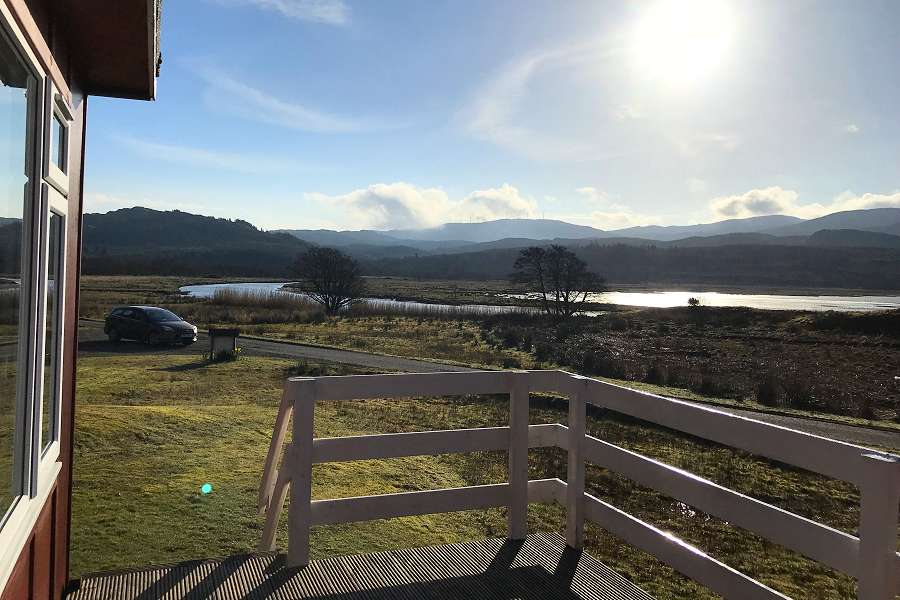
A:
x: 661, y: 299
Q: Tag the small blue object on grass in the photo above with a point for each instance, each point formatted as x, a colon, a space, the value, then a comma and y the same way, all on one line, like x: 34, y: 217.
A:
x: 206, y: 488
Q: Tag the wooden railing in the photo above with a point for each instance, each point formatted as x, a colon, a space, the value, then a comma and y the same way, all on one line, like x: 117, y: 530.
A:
x: 871, y: 558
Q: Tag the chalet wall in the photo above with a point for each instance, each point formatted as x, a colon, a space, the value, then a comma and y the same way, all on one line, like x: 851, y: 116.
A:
x: 41, y: 572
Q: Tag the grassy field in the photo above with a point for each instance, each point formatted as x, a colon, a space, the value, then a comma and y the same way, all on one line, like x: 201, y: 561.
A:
x: 153, y: 428
x: 835, y: 366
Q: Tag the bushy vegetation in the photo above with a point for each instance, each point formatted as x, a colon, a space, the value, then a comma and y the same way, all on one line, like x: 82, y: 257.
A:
x: 777, y: 359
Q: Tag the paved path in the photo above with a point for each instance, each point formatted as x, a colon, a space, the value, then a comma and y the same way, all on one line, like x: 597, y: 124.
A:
x: 91, y: 339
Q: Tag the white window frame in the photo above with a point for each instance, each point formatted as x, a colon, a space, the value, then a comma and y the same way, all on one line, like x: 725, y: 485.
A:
x: 34, y: 475
x: 53, y: 204
x: 56, y: 106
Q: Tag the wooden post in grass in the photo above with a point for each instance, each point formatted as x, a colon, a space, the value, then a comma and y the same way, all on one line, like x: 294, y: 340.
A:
x: 575, y: 472
x: 518, y: 456
x: 879, y: 494
x: 302, y: 394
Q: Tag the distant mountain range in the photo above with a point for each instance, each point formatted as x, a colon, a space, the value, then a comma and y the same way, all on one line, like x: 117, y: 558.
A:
x: 849, y: 249
x: 510, y: 233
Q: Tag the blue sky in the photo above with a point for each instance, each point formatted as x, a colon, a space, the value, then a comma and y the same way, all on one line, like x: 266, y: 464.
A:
x: 348, y: 115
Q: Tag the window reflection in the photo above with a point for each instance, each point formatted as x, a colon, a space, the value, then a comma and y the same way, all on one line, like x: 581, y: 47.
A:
x: 58, y: 143
x: 16, y: 84
x: 49, y: 401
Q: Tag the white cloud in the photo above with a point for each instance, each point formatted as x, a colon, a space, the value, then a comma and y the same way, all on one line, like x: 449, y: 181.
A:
x: 703, y: 142
x: 850, y: 201
x: 210, y: 159
x: 607, y: 214
x: 778, y: 201
x: 627, y: 112
x: 851, y: 128
x: 504, y: 202
x: 592, y: 195
x: 697, y: 185
x: 331, y: 12
x: 228, y: 95
x: 618, y: 219
x: 766, y: 201
x: 403, y: 205
x: 494, y: 114
x: 615, y: 217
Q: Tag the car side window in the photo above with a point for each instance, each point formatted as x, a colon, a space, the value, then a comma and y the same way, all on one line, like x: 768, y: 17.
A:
x: 126, y: 313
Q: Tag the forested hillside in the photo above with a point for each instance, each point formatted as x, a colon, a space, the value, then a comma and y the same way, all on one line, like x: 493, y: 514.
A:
x: 142, y: 241
x: 877, y: 268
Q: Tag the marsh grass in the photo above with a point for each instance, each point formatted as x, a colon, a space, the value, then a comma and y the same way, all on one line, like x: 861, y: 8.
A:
x: 151, y: 432
x: 723, y: 362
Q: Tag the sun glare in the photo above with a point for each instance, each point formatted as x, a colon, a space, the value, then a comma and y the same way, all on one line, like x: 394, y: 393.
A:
x: 681, y: 42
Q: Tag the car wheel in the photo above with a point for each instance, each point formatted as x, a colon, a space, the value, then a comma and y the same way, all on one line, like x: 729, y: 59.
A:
x: 114, y: 336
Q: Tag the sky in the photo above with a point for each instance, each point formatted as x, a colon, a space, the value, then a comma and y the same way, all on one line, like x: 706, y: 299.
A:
x: 349, y: 115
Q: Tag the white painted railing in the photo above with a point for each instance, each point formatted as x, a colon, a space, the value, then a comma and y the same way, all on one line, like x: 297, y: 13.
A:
x: 871, y: 558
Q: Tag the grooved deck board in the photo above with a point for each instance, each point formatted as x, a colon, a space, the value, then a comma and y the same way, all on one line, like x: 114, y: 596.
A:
x: 540, y: 567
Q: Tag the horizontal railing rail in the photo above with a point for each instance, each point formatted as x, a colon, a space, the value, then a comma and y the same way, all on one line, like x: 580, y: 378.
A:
x: 870, y: 557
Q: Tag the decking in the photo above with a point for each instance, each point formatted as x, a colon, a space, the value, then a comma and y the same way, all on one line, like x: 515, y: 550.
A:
x: 541, y: 566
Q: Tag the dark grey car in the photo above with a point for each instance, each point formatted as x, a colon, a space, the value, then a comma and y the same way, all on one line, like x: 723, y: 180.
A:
x: 148, y: 324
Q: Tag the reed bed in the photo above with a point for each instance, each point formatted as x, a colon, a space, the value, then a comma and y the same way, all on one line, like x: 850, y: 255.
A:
x: 263, y: 299
x: 373, y: 307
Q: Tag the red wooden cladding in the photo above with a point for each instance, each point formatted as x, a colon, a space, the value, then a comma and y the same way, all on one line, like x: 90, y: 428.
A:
x: 41, y: 572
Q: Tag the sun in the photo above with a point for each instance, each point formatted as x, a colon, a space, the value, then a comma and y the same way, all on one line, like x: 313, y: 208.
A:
x: 681, y: 42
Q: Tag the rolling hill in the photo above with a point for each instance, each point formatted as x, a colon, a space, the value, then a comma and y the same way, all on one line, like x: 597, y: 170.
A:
x: 872, y: 219
x: 676, y: 232
x: 145, y: 241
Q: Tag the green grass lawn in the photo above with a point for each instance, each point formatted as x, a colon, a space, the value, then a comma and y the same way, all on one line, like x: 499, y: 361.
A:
x: 151, y: 429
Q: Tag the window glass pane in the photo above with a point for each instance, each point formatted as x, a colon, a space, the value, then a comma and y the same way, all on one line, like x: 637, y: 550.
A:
x: 15, y: 85
x: 49, y: 401
x: 58, y: 143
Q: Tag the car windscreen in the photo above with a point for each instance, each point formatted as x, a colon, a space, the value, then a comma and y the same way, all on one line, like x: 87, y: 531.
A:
x: 160, y: 315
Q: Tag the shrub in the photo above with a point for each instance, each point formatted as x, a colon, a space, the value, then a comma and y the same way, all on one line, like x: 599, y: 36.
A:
x: 511, y: 337
x: 710, y: 385
x: 798, y: 392
x: 768, y: 390
x: 603, y: 363
x: 304, y: 369
x: 225, y: 355
x: 511, y: 362
x: 657, y: 373
x: 864, y: 407
x: 543, y: 351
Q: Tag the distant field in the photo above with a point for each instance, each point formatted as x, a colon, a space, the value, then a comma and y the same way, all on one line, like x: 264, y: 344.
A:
x: 152, y: 428
x: 838, y: 365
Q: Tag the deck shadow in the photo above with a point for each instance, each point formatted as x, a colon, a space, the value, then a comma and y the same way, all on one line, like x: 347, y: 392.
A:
x: 540, y: 567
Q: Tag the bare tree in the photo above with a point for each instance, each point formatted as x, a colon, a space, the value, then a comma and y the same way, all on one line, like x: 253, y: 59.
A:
x: 329, y: 277
x: 561, y: 279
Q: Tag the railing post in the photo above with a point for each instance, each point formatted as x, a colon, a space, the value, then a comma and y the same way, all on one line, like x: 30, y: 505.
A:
x: 518, y: 455
x: 575, y: 476
x: 303, y: 397
x: 879, y: 495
